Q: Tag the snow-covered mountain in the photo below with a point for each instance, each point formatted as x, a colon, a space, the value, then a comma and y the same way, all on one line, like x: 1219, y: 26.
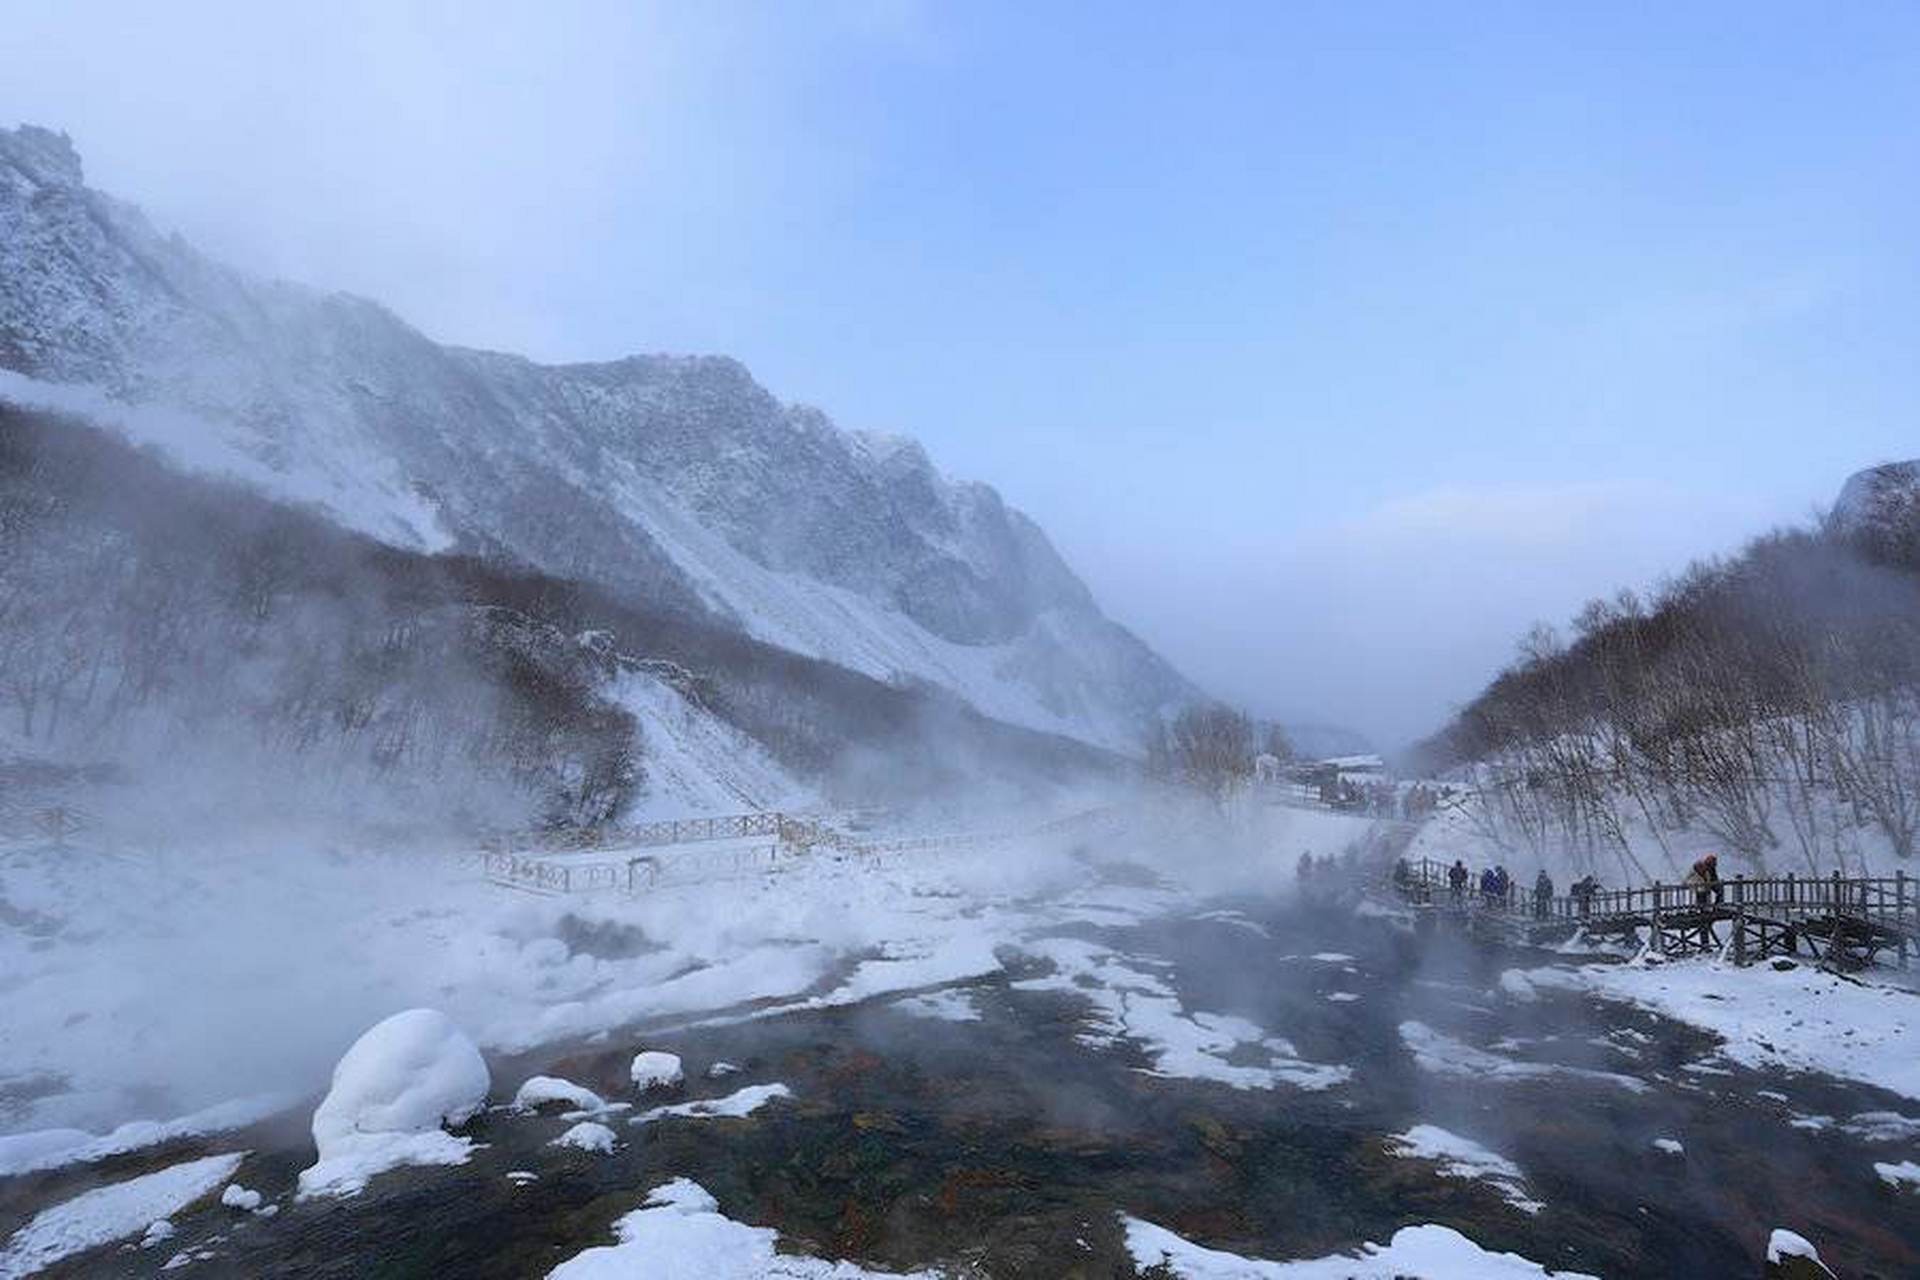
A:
x: 674, y: 480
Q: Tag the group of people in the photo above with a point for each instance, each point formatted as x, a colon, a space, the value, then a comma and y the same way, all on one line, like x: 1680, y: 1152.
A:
x: 1497, y: 888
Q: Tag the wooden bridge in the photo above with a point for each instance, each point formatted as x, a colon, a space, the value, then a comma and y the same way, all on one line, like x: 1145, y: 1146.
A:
x: 697, y: 850
x: 1842, y: 922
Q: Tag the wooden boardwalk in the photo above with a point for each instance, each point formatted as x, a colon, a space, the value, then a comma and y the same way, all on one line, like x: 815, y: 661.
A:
x: 1842, y: 922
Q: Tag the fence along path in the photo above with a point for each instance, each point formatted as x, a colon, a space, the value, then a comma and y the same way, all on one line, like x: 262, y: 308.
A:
x: 1845, y: 922
x: 542, y: 862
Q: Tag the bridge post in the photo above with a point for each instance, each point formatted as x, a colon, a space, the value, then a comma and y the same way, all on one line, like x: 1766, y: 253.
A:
x: 1655, y: 938
x: 1740, y: 920
x: 1900, y: 912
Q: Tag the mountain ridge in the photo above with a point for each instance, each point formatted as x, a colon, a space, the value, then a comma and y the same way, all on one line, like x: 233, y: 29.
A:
x: 676, y: 478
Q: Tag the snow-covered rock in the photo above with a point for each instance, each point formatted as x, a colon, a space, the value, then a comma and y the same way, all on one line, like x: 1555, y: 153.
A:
x: 1669, y: 1146
x: 239, y: 1197
x: 654, y: 1069
x: 1791, y: 1256
x: 393, y: 1090
x: 541, y: 1091
x: 587, y: 1136
x: 113, y: 1212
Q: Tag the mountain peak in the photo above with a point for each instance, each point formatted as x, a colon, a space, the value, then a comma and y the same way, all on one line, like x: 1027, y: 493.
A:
x: 45, y: 156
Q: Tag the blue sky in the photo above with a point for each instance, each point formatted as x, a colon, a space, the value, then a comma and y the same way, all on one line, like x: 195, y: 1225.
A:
x: 1333, y: 343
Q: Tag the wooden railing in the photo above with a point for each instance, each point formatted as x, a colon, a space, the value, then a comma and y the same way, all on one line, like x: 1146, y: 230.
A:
x: 1877, y: 910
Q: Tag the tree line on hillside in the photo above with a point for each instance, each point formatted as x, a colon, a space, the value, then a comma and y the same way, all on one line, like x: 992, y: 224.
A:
x: 1771, y: 699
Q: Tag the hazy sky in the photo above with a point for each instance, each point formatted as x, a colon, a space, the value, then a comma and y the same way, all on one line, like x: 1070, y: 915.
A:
x: 1333, y: 343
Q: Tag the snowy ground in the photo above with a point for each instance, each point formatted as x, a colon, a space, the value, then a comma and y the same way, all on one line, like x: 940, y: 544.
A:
x: 1865, y: 1029
x: 155, y: 985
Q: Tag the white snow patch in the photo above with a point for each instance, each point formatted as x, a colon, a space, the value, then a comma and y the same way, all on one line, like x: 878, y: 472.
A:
x: 1131, y: 1004
x: 743, y: 1102
x: 392, y: 1091
x: 944, y: 1006
x: 1431, y: 1252
x: 1443, y: 1055
x: 1671, y: 1146
x: 1458, y: 1157
x: 110, y: 1213
x: 587, y: 1136
x: 1343, y: 997
x: 681, y: 1235
x: 653, y: 1069
x: 1905, y: 1175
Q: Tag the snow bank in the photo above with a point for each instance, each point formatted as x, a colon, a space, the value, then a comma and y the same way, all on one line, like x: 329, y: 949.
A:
x: 50, y: 1148
x: 399, y: 1083
x: 653, y: 1069
x: 681, y: 1235
x: 1431, y: 1252
x: 1799, y: 1020
x: 1458, y: 1157
x: 587, y: 1136
x: 111, y: 1213
x: 540, y: 1091
x: 743, y: 1102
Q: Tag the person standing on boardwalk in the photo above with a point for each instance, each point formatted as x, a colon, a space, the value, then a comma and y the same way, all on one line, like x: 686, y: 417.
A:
x: 1457, y: 879
x: 1705, y: 879
x: 1542, y: 895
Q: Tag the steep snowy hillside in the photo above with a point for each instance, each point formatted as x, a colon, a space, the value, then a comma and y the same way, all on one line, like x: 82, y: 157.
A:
x: 678, y: 481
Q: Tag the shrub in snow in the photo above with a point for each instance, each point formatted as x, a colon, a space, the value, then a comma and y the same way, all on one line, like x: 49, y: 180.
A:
x: 541, y: 1091
x: 655, y: 1070
x: 239, y: 1197
x: 587, y: 1136
x: 392, y: 1092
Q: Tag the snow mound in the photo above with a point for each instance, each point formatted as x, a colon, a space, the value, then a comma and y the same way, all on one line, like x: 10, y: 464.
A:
x: 587, y: 1136
x: 540, y: 1091
x: 1431, y: 1252
x: 239, y: 1197
x: 399, y: 1083
x: 111, y: 1213
x: 653, y: 1069
x: 1671, y: 1146
x: 680, y: 1234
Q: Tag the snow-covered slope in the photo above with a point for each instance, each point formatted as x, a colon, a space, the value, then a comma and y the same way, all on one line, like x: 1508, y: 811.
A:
x: 677, y: 480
